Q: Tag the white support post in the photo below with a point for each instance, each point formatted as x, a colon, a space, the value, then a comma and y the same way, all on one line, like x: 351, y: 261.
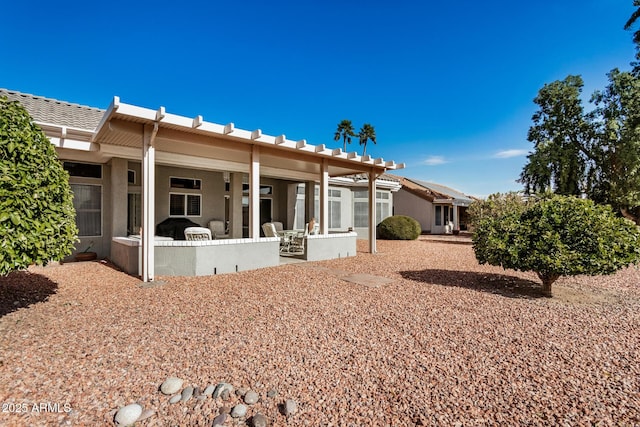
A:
x: 324, y: 197
x: 456, y: 226
x: 254, y: 193
x: 148, y: 202
x: 372, y: 212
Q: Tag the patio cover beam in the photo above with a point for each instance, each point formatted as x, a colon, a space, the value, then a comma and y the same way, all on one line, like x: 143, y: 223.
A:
x: 191, y: 128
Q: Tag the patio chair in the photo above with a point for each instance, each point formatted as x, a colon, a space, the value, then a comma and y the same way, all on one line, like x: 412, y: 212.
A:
x: 218, y: 229
x: 297, y: 241
x: 197, y: 233
x: 278, y: 225
x: 269, y: 230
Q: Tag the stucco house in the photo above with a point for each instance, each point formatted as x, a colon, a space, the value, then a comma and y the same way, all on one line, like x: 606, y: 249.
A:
x: 131, y: 168
x: 438, y: 208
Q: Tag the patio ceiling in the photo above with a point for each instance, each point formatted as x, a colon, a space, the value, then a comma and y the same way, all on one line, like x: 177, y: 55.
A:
x: 193, y: 142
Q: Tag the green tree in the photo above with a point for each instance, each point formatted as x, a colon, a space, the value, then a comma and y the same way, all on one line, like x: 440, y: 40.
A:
x: 37, y: 219
x: 616, y: 178
x: 553, y: 236
x: 562, y: 138
x: 495, y: 206
x: 367, y: 133
x: 596, y: 154
x: 345, y: 131
x: 632, y: 20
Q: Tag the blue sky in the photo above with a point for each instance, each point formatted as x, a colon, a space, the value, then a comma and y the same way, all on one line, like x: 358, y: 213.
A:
x: 448, y: 86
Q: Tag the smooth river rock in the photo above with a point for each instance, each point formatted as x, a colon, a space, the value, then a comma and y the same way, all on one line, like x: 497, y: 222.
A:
x: 209, y: 390
x: 251, y: 397
x: 186, y: 394
x: 171, y: 385
x: 222, y: 387
x: 128, y: 415
x: 259, y: 420
x: 290, y: 407
x: 219, y: 420
x: 239, y: 411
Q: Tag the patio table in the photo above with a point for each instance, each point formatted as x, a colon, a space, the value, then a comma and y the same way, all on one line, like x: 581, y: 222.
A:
x: 287, y: 238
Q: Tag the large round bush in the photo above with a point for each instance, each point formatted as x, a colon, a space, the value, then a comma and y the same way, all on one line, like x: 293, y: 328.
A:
x: 399, y: 227
x: 553, y: 236
x: 37, y: 219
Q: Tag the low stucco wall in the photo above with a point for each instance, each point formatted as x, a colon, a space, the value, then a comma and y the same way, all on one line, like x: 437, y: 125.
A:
x: 125, y: 254
x: 331, y: 246
x: 199, y: 258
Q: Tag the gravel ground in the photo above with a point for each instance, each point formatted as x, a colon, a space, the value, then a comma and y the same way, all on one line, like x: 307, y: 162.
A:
x: 448, y: 342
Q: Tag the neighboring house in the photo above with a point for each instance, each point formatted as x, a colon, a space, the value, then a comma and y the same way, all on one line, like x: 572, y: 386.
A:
x: 131, y: 168
x: 438, y: 209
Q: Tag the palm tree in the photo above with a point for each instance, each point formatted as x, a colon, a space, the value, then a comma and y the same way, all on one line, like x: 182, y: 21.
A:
x: 345, y: 131
x: 368, y: 133
x: 632, y: 20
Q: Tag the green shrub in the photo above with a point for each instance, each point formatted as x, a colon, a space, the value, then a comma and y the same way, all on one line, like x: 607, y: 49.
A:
x: 37, y: 219
x: 496, y: 205
x: 554, y: 236
x: 399, y: 227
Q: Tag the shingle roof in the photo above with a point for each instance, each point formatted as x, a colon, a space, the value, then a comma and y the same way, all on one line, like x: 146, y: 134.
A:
x: 47, y: 110
x: 443, y: 189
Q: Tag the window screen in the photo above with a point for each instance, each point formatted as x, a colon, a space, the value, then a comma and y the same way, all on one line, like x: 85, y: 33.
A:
x: 87, y: 201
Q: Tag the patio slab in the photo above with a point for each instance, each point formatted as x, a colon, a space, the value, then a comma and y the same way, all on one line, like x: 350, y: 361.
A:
x: 363, y: 279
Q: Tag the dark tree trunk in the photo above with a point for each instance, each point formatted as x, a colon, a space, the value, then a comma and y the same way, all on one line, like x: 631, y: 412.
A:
x: 547, y: 281
x: 627, y: 214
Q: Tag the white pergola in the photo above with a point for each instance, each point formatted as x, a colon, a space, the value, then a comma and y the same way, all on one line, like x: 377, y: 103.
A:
x: 158, y: 137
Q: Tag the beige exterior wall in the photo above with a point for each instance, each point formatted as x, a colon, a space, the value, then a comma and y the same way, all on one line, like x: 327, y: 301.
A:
x: 212, y: 193
x: 406, y: 203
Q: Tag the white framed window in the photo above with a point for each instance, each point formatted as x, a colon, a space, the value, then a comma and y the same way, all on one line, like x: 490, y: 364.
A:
x: 83, y: 170
x: 265, y: 190
x: 335, y: 204
x: 182, y: 204
x: 185, y: 183
x: 383, y: 206
x: 335, y: 207
x: 299, y: 221
x: 361, y: 207
x: 134, y: 213
x: 131, y: 176
x: 87, y: 201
